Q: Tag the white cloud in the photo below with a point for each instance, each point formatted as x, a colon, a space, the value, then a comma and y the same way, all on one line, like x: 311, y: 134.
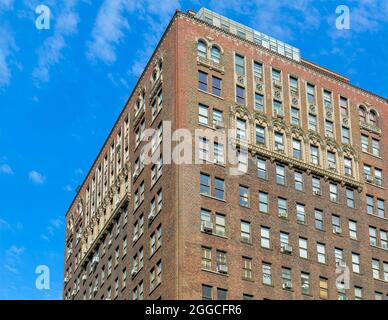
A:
x: 6, y: 169
x: 54, y: 224
x: 4, y: 224
x: 36, y: 177
x: 50, y: 52
x: 14, y: 251
x: 108, y: 30
x: 7, y: 47
x: 12, y: 258
x: 68, y: 188
x: 6, y: 4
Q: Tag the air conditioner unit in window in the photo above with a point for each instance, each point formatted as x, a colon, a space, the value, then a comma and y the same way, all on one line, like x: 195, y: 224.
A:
x: 283, y: 214
x: 84, y: 277
x: 286, y: 248
x: 384, y: 246
x: 152, y: 215
x: 279, y: 113
x: 332, y: 166
x: 207, y: 226
x: 317, y: 193
x: 95, y: 261
x: 277, y: 83
x: 368, y: 178
x: 279, y: 147
x: 341, y: 264
x: 245, y: 239
x: 222, y: 268
x: 219, y: 124
x: 287, y: 285
x: 134, y: 271
x: 337, y: 230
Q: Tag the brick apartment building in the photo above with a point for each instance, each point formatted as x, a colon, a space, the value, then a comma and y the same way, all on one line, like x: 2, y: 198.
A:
x: 313, y: 201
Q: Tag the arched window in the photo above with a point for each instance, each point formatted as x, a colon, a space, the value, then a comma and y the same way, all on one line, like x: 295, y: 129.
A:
x: 215, y: 54
x: 362, y: 113
x: 202, y: 49
x: 373, y: 117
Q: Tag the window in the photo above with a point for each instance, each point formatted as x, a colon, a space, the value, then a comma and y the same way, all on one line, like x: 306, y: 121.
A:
x: 247, y: 268
x: 331, y: 159
x: 206, y: 258
x: 222, y: 294
x: 203, y: 114
x: 356, y: 262
x: 305, y: 282
x: 350, y: 198
x: 241, y: 129
x: 207, y: 292
x: 319, y: 223
x: 294, y: 85
x: 385, y: 264
x: 338, y: 255
x: 258, y: 70
x: 265, y: 240
x: 295, y: 116
x: 384, y: 239
x: 219, y: 186
x: 316, y: 186
x: 203, y: 149
x: 282, y: 206
x: 217, y: 117
x: 220, y: 224
x: 378, y: 295
x: 378, y: 177
x: 345, y: 135
x: 362, y: 113
x: 277, y: 108
x: 221, y: 258
x: 299, y: 184
x: 239, y: 64
x: 216, y: 86
x: 202, y: 80
x: 303, y: 252
x: 286, y: 278
x: 279, y: 141
x: 357, y: 293
x: 259, y: 102
x: 260, y: 134
x: 376, y: 147
x: 280, y: 174
x: 219, y: 153
x: 376, y: 269
x: 284, y: 239
x: 261, y: 168
x: 344, y: 106
x: 370, y: 206
x: 365, y: 143
x: 215, y: 54
x: 276, y: 77
x: 321, y: 252
x: 373, y: 236
x: 245, y: 231
x: 323, y: 288
x: 336, y: 223
x: 327, y: 99
x: 202, y: 49
x: 300, y: 213
x: 240, y: 94
x: 296, y: 149
x: 313, y: 122
x: 373, y: 118
x: 267, y: 274
x: 205, y: 184
x: 247, y: 296
x: 329, y: 128
x: 244, y: 196
x: 310, y: 94
x: 333, y: 188
x: 263, y: 202
x: 381, y: 208
x: 352, y: 229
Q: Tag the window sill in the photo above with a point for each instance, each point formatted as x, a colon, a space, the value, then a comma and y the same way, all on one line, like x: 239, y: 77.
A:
x: 211, y: 94
x: 212, y: 197
x: 374, y: 185
x: 372, y: 155
x: 214, y: 234
x: 378, y: 247
x: 376, y: 216
x: 215, y: 272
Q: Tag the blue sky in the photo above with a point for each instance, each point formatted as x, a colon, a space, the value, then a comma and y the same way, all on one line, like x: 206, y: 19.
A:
x: 61, y: 90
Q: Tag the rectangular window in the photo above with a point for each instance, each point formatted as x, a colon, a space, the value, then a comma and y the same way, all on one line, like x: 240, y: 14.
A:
x: 284, y: 239
x: 222, y: 294
x: 331, y: 159
x: 294, y: 85
x: 365, y: 143
x: 279, y: 142
x: 344, y: 106
x: 259, y: 102
x: 336, y: 223
x: 345, y: 135
x: 261, y: 168
x: 258, y: 70
x: 247, y: 268
x: 203, y: 149
x: 280, y: 174
x: 319, y: 223
x: 265, y: 240
x: 316, y: 186
x: 221, y: 259
x: 323, y: 288
x: 282, y: 207
x: 303, y: 251
x: 244, y: 196
x: 267, y: 274
x: 310, y: 94
x: 327, y: 99
x: 216, y: 86
x: 381, y: 208
x: 276, y: 77
x: 241, y: 129
x: 219, y: 153
x: 295, y: 116
x: 313, y: 122
x: 219, y: 188
x: 205, y: 184
x: 300, y: 213
x: 277, y: 108
x: 245, y: 231
x: 240, y: 94
x: 329, y: 128
x: 206, y: 258
x: 220, y: 224
x: 286, y: 278
x: 370, y: 206
x: 357, y: 293
x: 217, y: 118
x: 378, y: 177
x: 260, y: 135
x: 376, y: 269
x: 203, y: 116
x: 373, y: 236
x: 207, y: 292
x: 305, y: 282
x: 352, y: 229
x: 296, y: 149
x: 263, y: 202
x: 321, y: 252
x: 376, y: 147
x: 356, y: 262
x: 202, y: 80
x: 350, y: 198
x: 239, y: 64
x: 384, y: 239
x: 299, y: 184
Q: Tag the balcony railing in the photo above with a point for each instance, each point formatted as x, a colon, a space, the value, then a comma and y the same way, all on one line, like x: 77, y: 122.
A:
x: 370, y: 127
